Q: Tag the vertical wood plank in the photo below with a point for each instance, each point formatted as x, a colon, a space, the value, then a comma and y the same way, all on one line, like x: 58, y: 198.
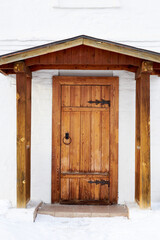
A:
x: 105, y: 142
x: 96, y: 132
x: 74, y: 189
x: 85, y: 193
x: 96, y: 140
x: 64, y: 189
x: 104, y: 192
x: 86, y: 95
x: 75, y: 96
x: 23, y: 138
x: 65, y: 96
x: 105, y: 131
x: 96, y: 95
x: 65, y: 127
x: 75, y: 144
x: 97, y: 191
x: 85, y: 160
x: 56, y: 106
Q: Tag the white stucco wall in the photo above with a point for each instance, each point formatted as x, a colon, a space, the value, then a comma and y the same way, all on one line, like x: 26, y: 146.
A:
x: 35, y: 22
x: 7, y: 139
x: 155, y: 137
x: 41, y: 135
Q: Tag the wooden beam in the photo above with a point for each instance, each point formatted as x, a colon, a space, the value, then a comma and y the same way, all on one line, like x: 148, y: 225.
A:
x: 7, y: 66
x: 142, y: 145
x: 84, y: 67
x: 156, y: 66
x: 20, y: 67
x: 23, y: 138
x: 3, y: 72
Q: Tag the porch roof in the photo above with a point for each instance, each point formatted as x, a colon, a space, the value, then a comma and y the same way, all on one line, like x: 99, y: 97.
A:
x: 83, y: 52
x: 7, y: 60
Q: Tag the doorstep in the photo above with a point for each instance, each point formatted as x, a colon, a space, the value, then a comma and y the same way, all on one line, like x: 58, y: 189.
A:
x: 58, y: 210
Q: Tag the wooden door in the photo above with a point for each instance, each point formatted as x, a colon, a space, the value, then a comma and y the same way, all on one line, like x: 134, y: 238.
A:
x: 85, y: 154
x: 86, y: 170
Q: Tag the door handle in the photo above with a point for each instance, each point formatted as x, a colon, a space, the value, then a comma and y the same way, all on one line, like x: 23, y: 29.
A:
x: 67, y: 137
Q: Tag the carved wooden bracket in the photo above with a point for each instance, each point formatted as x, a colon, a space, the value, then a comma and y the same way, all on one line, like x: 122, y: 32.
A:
x: 20, y: 67
x: 146, y: 67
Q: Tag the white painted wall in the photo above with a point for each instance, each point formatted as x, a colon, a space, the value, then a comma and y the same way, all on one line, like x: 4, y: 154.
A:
x: 41, y: 134
x: 7, y: 139
x: 35, y: 22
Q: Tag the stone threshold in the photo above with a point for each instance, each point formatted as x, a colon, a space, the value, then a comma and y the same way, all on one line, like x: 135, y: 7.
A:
x: 58, y: 210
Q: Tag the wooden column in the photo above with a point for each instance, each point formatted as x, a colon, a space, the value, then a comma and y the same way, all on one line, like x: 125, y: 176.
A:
x: 142, y: 151
x: 23, y: 81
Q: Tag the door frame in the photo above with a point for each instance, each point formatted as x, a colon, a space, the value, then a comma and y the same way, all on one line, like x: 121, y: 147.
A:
x: 58, y: 81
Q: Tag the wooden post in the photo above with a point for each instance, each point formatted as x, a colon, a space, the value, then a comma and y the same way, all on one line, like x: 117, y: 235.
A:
x: 142, y: 151
x: 23, y: 81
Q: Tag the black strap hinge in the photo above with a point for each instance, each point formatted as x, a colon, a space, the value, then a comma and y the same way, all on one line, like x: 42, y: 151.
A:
x: 102, y: 101
x: 102, y: 182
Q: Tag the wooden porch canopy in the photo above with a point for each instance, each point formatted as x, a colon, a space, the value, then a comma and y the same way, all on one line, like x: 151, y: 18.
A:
x: 83, y: 52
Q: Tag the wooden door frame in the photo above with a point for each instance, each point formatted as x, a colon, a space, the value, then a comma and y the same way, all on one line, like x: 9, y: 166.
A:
x: 58, y: 81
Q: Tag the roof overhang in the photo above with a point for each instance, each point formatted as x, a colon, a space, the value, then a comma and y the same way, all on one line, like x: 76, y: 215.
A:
x: 77, y: 41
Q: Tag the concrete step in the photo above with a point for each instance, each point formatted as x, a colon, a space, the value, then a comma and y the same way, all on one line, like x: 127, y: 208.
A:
x: 58, y: 210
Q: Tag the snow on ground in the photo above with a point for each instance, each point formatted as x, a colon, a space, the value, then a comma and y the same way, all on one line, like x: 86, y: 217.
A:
x: 144, y: 225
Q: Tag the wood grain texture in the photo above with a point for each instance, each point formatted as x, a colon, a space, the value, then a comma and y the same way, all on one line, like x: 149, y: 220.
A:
x: 114, y: 112
x: 23, y: 84
x: 137, y: 143
x: 83, y: 55
x: 81, y: 42
x: 65, y: 149
x: 28, y: 136
x: 37, y: 67
x: 89, y: 155
x: 56, y: 105
x: 75, y: 145
x: 85, y: 140
x: 85, y: 109
x: 84, y: 174
x: 142, y: 192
